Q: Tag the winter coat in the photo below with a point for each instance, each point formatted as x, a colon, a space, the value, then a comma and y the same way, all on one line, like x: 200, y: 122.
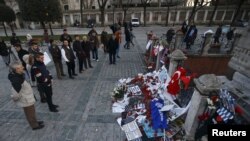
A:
x: 3, y: 49
x: 112, y: 45
x: 22, y: 93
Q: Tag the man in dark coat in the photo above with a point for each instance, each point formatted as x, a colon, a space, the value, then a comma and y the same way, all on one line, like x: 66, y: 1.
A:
x: 86, y: 48
x: 80, y: 54
x: 217, y: 34
x: 112, y: 47
x: 21, y: 52
x: 44, y: 80
x: 55, y: 52
x: 127, y: 38
x: 66, y: 36
x: 14, y: 39
x: 4, y: 52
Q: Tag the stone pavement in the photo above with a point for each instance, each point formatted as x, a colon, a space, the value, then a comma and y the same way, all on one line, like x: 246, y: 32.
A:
x: 85, y: 103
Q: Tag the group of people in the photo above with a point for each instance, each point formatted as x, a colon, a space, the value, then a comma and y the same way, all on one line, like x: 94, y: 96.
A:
x: 32, y: 71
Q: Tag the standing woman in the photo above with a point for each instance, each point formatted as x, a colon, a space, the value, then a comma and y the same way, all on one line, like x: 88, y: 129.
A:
x: 22, y: 94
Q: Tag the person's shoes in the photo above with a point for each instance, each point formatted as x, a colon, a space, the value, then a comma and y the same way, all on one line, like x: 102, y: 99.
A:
x: 75, y: 74
x: 63, y: 75
x: 40, y: 122
x: 39, y: 127
x: 55, y: 106
x: 90, y: 66
x: 114, y: 63
x: 118, y: 56
x: 97, y: 60
x: 71, y: 77
x: 93, y: 59
x: 53, y: 110
x: 43, y: 100
x: 59, y: 78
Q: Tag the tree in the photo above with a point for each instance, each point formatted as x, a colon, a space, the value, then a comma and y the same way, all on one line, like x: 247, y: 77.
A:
x: 215, y: 3
x: 102, y: 4
x: 41, y: 11
x: 125, y: 7
x: 240, y: 3
x: 198, y: 4
x: 171, y: 3
x: 145, y: 4
x: 6, y: 15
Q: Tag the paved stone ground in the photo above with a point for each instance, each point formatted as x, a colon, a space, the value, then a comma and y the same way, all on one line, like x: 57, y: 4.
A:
x: 85, y: 104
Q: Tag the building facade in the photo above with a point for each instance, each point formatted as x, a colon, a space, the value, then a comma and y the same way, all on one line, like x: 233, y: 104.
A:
x: 156, y: 12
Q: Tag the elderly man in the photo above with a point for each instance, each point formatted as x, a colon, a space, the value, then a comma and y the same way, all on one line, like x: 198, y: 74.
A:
x: 22, y: 94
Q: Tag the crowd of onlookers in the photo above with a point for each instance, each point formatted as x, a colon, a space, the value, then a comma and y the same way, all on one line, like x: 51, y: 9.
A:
x: 30, y: 68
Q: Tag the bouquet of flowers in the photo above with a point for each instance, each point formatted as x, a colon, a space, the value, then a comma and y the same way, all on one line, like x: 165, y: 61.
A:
x: 119, y: 91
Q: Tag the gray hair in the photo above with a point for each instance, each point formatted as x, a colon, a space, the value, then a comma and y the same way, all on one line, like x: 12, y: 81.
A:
x: 14, y: 65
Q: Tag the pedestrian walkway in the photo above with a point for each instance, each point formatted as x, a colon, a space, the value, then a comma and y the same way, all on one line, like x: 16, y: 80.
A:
x: 85, y: 103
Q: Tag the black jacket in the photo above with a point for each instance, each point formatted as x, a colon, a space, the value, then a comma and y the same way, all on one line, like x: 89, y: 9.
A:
x: 55, y: 53
x: 20, y: 54
x: 40, y: 72
x: 3, y: 49
x: 112, y: 45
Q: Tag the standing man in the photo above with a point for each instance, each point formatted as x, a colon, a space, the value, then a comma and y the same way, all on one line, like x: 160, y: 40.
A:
x: 69, y: 58
x: 21, y: 52
x: 86, y: 47
x: 80, y: 54
x: 65, y: 36
x: 57, y: 58
x: 4, y: 52
x: 104, y: 39
x: 94, y: 43
x: 14, y: 39
x: 127, y: 38
x: 44, y: 80
x: 112, y: 47
x: 22, y: 94
x: 217, y: 34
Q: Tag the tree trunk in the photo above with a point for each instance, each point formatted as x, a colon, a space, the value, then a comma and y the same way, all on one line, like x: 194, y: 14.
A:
x: 125, y: 14
x: 193, y: 12
x: 102, y: 16
x: 237, y: 11
x: 167, y: 16
x: 5, y: 30
x: 212, y: 16
x: 43, y: 25
x: 81, y: 12
x: 144, y: 14
x: 11, y: 27
x: 51, y: 31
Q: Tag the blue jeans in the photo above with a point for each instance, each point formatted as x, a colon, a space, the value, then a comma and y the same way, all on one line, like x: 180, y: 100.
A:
x: 117, y: 50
